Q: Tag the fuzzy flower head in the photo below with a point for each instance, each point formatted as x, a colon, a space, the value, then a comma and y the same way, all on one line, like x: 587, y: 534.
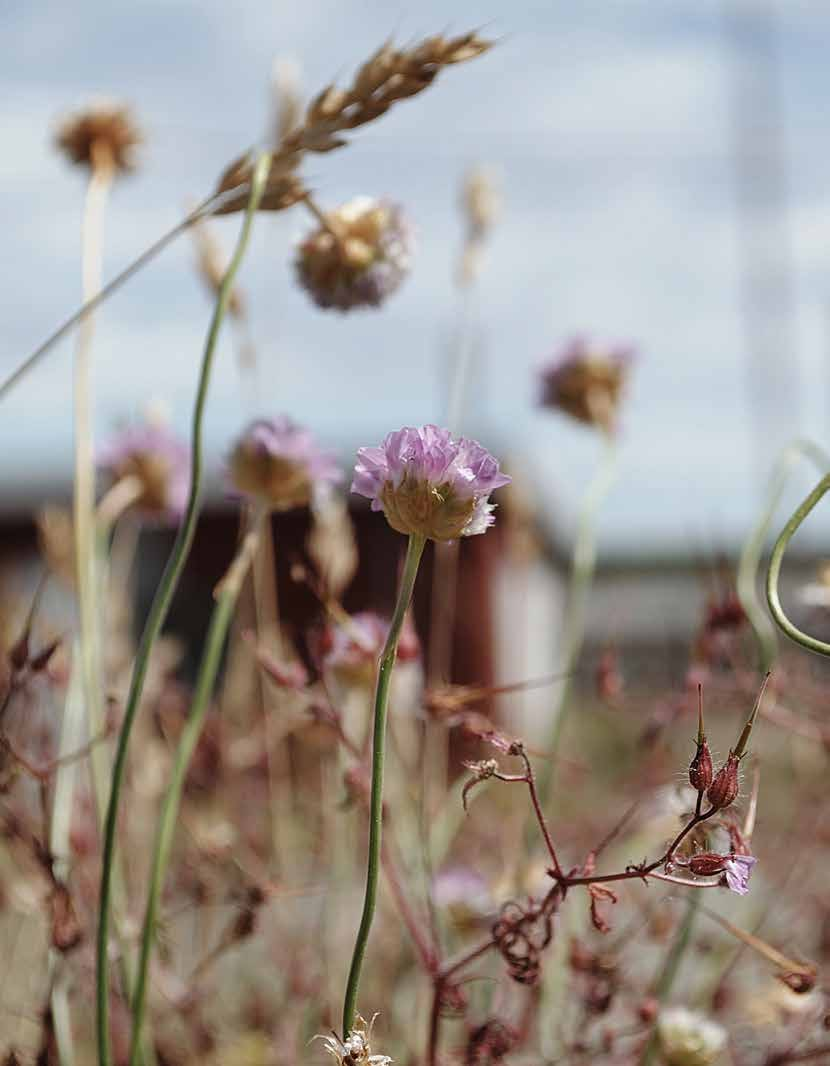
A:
x: 736, y: 871
x: 157, y: 459
x: 586, y: 382
x: 355, y: 1050
x: 428, y: 483
x: 688, y: 1038
x: 279, y: 464
x: 103, y: 135
x: 359, y: 258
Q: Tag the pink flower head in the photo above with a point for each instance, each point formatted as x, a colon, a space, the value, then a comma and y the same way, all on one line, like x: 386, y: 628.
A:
x: 150, y: 452
x: 280, y: 464
x: 428, y: 483
x: 355, y: 646
x: 737, y: 870
x: 586, y: 381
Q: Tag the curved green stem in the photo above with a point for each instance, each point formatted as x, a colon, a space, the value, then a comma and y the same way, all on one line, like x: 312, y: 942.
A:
x: 773, y: 574
x: 583, y: 564
x: 215, y: 642
x: 103, y: 294
x: 158, y: 612
x: 414, y: 552
x: 750, y: 560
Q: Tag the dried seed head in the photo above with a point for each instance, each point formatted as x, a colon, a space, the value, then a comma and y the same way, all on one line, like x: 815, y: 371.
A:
x: 586, y: 382
x: 726, y: 785
x: 390, y: 75
x: 480, y: 204
x: 287, y: 100
x: 480, y: 200
x: 359, y: 258
x: 104, y: 135
x: 356, y: 1049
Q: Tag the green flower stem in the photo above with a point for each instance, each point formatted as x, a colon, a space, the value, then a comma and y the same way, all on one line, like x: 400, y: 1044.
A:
x: 582, y: 574
x: 103, y: 294
x: 226, y: 596
x: 414, y: 552
x: 159, y: 609
x: 747, y: 581
x: 668, y: 973
x: 773, y: 574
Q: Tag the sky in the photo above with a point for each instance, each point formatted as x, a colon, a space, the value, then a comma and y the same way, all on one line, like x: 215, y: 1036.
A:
x: 664, y: 174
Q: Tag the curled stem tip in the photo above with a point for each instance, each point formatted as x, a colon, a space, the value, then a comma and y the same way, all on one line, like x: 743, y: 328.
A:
x: 774, y: 573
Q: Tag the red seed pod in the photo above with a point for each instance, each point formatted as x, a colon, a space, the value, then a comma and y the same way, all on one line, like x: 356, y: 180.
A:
x: 707, y: 863
x: 725, y: 787
x: 700, y: 768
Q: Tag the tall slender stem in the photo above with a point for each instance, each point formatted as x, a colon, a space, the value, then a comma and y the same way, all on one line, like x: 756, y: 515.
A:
x: 671, y: 965
x: 215, y: 642
x: 414, y: 552
x: 160, y: 607
x: 582, y: 574
x: 774, y: 572
x: 86, y: 309
x: 84, y: 483
x: 750, y: 559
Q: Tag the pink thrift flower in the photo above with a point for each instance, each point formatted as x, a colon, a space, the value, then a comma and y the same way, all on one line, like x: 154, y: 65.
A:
x: 430, y: 484
x: 153, y: 454
x: 279, y: 463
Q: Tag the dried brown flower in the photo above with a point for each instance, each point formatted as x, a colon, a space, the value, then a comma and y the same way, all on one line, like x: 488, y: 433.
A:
x: 102, y: 136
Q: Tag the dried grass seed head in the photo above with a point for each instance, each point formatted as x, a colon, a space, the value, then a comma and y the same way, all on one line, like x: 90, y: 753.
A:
x: 387, y: 77
x: 105, y: 134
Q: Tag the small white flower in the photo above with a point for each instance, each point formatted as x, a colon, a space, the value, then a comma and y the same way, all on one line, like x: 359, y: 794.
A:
x: 355, y: 1050
x: 688, y: 1038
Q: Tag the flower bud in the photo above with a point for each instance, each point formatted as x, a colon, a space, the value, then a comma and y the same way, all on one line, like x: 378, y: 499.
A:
x: 700, y: 768
x: 707, y: 863
x: 724, y: 789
